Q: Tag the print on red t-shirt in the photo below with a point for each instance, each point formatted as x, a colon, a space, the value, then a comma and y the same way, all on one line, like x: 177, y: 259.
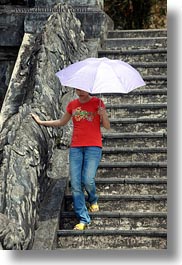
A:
x: 86, y: 122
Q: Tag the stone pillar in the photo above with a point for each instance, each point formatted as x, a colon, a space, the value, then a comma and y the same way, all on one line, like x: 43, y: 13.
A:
x: 94, y: 21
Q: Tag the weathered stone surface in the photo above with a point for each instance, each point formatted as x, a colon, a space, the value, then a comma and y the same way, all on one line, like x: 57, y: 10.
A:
x: 139, y: 97
x: 94, y: 21
x: 123, y: 141
x: 136, y: 56
x: 118, y: 223
x: 72, y: 2
x: 138, y: 33
x: 12, y: 235
x: 135, y: 43
x: 27, y: 148
x: 6, y: 69
x: 147, y: 125
x: 132, y: 172
x: 11, y: 26
x: 151, y: 68
x: 127, y: 205
x: 46, y: 233
x: 134, y: 156
x: 144, y: 112
x: 132, y: 189
x: 112, y: 242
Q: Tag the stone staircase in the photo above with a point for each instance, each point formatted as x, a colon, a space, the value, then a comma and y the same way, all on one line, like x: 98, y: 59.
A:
x: 132, y: 176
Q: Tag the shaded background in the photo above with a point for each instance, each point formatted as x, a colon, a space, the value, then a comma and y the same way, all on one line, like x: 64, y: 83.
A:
x: 137, y: 14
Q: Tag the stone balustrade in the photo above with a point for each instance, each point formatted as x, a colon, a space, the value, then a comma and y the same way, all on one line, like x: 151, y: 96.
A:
x: 26, y: 149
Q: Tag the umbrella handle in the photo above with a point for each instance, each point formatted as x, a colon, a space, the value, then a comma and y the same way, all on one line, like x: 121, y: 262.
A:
x: 100, y: 101
x: 100, y: 108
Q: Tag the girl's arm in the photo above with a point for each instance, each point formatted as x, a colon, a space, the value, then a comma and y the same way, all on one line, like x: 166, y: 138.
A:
x: 104, y: 118
x: 53, y: 123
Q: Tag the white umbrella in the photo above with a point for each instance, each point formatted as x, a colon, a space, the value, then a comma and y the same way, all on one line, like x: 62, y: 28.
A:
x: 101, y: 75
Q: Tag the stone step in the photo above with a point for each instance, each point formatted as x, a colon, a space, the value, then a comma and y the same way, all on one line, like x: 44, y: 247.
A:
x: 134, y: 140
x: 157, y: 110
x: 137, y: 96
x: 142, y: 33
x: 150, y: 106
x: 131, y: 181
x: 138, y: 125
x: 146, y: 68
x: 155, y: 78
x: 150, y: 68
x: 132, y: 170
x: 118, y: 221
x: 117, y: 186
x: 112, y: 239
x: 127, y: 203
x: 135, y: 43
x: 156, y: 81
x: 141, y: 164
x: 130, y: 56
x: 130, y: 186
x: 120, y: 154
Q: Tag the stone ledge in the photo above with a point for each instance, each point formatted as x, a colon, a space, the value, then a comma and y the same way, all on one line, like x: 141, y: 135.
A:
x: 45, y: 235
x: 97, y: 232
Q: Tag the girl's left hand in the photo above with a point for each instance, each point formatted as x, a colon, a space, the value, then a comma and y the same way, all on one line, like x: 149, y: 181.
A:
x: 104, y: 118
x: 101, y: 111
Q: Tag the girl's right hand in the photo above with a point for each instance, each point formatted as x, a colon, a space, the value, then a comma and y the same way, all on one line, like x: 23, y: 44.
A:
x: 36, y: 118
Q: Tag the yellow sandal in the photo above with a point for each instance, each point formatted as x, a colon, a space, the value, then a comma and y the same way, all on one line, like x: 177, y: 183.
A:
x: 80, y: 226
x: 94, y: 208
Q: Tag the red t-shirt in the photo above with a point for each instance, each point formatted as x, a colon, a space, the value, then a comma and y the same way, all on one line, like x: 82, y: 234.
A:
x: 86, y: 122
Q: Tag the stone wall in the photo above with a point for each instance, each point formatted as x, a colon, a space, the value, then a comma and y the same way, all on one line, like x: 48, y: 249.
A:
x: 44, y: 3
x: 26, y: 149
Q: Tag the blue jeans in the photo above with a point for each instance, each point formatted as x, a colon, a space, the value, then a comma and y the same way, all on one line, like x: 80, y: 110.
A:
x: 84, y: 162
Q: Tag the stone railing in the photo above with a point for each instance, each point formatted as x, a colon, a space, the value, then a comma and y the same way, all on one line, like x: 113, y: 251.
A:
x: 26, y: 148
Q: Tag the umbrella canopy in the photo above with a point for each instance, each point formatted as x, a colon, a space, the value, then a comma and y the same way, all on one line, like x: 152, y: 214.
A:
x: 101, y: 75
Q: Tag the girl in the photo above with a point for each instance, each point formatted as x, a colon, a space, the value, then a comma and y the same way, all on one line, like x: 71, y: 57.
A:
x: 87, y: 114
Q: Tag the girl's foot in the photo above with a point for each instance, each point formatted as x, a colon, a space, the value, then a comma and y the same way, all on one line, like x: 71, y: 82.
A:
x: 80, y: 226
x: 94, y: 208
